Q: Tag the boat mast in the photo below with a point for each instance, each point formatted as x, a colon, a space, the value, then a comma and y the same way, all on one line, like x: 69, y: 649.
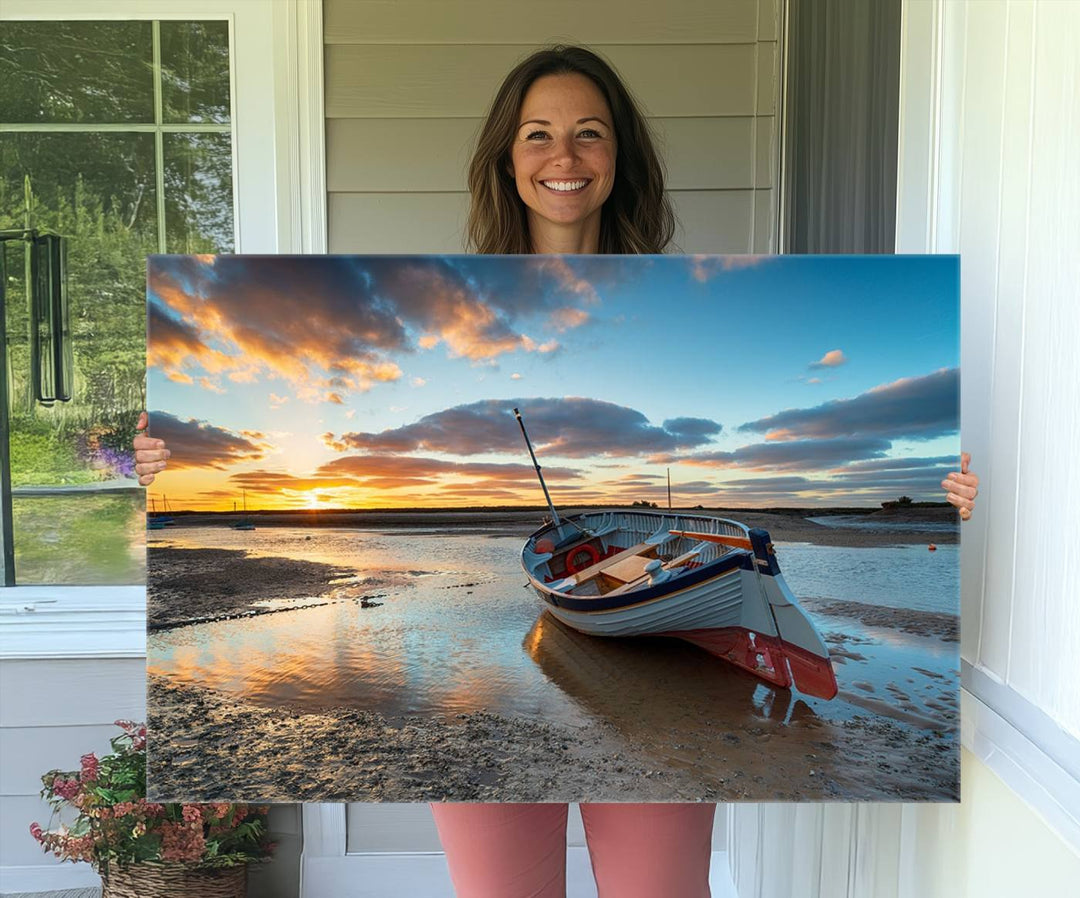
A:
x: 554, y: 514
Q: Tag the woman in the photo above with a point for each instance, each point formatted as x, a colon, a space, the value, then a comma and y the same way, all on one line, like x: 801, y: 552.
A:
x: 565, y: 164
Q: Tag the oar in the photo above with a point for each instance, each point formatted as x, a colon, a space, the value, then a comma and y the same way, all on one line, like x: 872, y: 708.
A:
x: 739, y: 541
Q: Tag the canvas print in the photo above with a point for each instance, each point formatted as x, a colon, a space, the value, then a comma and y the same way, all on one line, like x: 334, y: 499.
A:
x: 549, y: 528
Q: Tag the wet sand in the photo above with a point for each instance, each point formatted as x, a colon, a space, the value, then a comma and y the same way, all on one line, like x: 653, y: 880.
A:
x: 740, y: 741
x: 219, y: 748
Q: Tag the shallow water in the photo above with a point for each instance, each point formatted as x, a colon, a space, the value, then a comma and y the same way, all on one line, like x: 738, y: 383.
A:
x: 862, y: 522
x: 458, y: 632
x: 908, y: 576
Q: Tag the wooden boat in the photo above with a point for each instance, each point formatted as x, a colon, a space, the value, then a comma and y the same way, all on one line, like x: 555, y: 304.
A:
x: 710, y: 581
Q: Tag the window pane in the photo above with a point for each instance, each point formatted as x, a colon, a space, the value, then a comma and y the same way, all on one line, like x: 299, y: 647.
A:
x: 198, y: 193
x: 80, y: 539
x: 195, y: 71
x: 98, y: 191
x: 76, y: 72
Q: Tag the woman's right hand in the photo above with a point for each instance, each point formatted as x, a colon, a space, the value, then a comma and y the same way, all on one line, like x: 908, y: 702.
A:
x: 150, y: 455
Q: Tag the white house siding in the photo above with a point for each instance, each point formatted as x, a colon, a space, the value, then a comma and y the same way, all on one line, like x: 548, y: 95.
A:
x: 407, y: 85
x: 54, y: 711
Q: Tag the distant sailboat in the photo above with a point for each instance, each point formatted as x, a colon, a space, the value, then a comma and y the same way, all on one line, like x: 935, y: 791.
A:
x: 245, y: 523
x: 156, y: 520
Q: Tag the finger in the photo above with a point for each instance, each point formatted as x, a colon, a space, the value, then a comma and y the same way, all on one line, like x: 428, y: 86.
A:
x: 971, y: 480
x: 146, y: 479
x: 959, y: 501
x: 951, y: 486
x: 143, y: 443
x: 154, y: 467
x: 965, y: 460
x: 148, y: 455
x: 965, y: 514
x: 144, y: 421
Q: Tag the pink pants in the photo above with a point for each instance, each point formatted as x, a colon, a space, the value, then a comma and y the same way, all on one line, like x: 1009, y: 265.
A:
x: 519, y: 850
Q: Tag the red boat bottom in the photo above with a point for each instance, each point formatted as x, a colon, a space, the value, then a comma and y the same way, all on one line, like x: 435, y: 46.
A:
x: 767, y: 657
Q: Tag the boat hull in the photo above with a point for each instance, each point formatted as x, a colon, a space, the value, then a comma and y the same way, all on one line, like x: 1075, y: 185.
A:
x: 736, y: 606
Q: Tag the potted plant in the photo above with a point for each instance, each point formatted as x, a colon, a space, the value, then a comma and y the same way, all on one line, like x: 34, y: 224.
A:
x: 143, y: 848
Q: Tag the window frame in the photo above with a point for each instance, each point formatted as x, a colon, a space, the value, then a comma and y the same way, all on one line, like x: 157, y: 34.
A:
x: 279, y: 206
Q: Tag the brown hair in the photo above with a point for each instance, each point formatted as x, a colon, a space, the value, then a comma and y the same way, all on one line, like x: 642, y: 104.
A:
x: 637, y: 216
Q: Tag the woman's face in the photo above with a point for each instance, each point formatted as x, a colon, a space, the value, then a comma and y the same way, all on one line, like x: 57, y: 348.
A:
x: 563, y: 155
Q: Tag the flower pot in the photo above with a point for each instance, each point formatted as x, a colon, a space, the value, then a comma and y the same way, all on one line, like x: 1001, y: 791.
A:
x: 174, y: 881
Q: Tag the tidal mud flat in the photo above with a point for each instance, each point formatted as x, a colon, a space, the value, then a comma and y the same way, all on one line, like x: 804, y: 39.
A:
x: 892, y: 734
x: 214, y: 747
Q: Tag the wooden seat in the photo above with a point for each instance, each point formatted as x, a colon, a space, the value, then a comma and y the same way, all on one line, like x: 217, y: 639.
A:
x: 604, y: 563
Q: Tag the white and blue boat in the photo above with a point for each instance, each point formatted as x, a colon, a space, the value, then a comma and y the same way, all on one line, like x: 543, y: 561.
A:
x: 710, y: 581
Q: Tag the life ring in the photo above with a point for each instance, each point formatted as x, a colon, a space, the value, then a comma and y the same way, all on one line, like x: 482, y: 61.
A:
x: 594, y: 556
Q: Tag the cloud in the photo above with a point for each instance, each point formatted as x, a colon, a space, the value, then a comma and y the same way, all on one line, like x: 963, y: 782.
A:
x: 418, y: 382
x: 570, y: 427
x: 277, y: 401
x: 198, y: 444
x: 792, y: 454
x: 834, y: 358
x: 515, y: 376
x: 914, y: 408
x: 566, y: 318
x: 704, y: 267
x: 400, y: 471
x: 207, y: 384
x: 693, y: 429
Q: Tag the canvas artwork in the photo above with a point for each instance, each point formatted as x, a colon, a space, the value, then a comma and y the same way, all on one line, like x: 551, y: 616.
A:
x: 550, y: 528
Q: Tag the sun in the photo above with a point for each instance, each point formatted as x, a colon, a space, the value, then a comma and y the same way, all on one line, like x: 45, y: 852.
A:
x: 313, y: 499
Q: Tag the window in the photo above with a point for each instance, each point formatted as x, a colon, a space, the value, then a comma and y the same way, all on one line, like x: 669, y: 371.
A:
x: 117, y: 136
x: 280, y: 206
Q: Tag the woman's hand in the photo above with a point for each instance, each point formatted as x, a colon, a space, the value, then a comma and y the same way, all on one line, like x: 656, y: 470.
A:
x: 150, y: 454
x: 961, y: 487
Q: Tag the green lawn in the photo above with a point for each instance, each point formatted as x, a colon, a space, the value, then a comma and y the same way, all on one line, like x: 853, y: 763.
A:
x: 80, y: 539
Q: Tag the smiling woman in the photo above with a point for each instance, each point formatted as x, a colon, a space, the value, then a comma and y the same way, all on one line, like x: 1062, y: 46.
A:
x: 560, y: 117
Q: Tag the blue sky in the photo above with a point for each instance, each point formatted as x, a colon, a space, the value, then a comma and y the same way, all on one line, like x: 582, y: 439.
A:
x: 387, y: 381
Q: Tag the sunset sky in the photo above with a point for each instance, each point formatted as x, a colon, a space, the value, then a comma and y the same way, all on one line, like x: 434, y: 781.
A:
x: 388, y: 381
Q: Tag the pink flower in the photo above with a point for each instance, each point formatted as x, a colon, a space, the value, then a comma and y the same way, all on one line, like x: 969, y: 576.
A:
x: 192, y: 814
x: 65, y: 788
x: 123, y: 808
x: 89, y: 768
x: 36, y: 832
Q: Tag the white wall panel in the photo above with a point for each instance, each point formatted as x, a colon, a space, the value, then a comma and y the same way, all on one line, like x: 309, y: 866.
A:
x: 520, y: 22
x: 1045, y: 631
x: 432, y: 154
x: 409, y: 80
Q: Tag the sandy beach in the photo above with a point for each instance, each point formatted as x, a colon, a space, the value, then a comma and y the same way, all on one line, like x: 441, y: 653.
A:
x: 222, y: 749
x: 897, y: 739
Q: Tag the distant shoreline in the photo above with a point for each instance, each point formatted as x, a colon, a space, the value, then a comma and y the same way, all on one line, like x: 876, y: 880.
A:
x: 784, y: 525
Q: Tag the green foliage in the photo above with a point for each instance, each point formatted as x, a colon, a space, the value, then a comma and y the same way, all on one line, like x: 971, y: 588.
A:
x: 117, y: 825
x: 644, y: 503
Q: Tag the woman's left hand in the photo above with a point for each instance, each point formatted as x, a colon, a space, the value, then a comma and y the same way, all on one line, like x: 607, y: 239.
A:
x: 962, y: 487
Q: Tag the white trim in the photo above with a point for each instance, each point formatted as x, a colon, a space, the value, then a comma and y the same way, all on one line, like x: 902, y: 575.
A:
x: 323, y: 826
x: 48, y: 878
x: 73, y: 622
x: 919, y: 137
x: 1025, y: 767
x: 298, y: 28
